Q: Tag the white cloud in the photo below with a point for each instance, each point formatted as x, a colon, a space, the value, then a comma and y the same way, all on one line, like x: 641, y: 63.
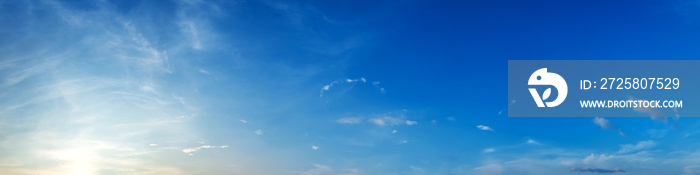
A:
x: 328, y: 86
x: 531, y: 141
x: 314, y: 147
x: 394, y: 131
x: 152, y: 144
x: 485, y: 128
x: 378, y: 121
x: 642, y: 145
x: 489, y: 150
x: 605, y: 124
x: 350, y: 120
x: 189, y: 151
x: 388, y: 120
x: 409, y: 122
x: 392, y: 118
x: 376, y: 85
x: 259, y: 132
x: 450, y: 118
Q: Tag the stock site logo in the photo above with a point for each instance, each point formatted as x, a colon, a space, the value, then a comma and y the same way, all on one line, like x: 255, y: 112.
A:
x: 542, y: 77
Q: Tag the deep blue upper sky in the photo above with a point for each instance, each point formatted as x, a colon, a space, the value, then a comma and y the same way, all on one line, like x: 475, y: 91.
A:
x: 323, y: 87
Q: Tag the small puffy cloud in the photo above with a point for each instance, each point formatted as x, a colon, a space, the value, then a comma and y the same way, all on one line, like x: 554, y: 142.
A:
x: 349, y: 120
x: 531, y: 141
x: 259, y: 132
x: 489, y: 150
x: 376, y: 85
x: 408, y: 122
x: 362, y: 79
x: 152, y: 144
x: 605, y: 124
x: 189, y: 151
x: 450, y: 118
x: 626, y: 148
x: 243, y: 121
x: 485, y: 128
x: 597, y: 170
x: 314, y: 147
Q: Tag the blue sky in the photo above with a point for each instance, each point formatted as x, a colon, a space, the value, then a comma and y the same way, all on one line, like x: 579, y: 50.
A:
x: 323, y: 87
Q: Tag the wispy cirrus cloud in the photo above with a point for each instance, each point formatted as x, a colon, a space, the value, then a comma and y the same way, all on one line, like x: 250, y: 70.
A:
x: 642, y: 145
x: 99, y: 72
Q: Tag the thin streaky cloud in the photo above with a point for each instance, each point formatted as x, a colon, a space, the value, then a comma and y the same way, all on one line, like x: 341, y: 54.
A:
x: 190, y: 151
